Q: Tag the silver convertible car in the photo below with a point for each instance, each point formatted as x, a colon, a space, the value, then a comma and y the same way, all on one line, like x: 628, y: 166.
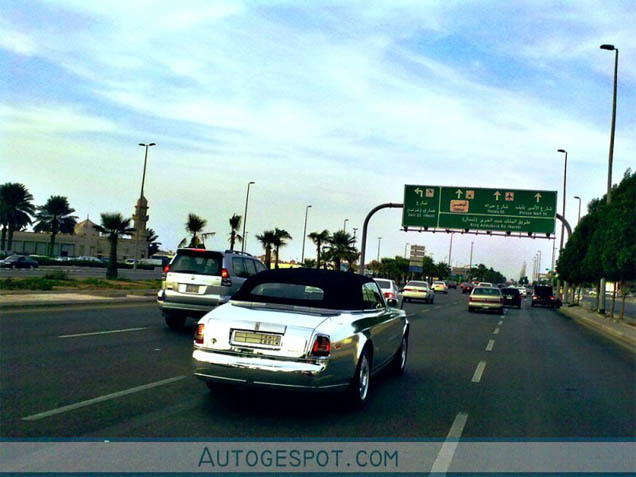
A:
x: 303, y: 329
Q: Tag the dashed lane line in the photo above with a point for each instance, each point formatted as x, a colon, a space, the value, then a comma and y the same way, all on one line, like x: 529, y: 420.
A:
x: 479, y: 371
x: 102, y: 332
x: 445, y: 457
x: 496, y: 332
x: 78, y: 405
x: 490, y: 345
x: 500, y: 322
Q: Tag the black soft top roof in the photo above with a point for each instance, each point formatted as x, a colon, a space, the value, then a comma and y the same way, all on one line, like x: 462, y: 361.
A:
x: 342, y: 290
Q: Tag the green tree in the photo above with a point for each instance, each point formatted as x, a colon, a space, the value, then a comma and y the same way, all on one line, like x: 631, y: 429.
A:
x: 152, y: 242
x: 341, y: 247
x: 195, y: 226
x: 55, y: 217
x: 280, y: 235
x: 235, y: 225
x: 267, y: 239
x: 319, y: 239
x: 114, y: 225
x: 375, y: 267
x: 309, y: 263
x: 16, y: 209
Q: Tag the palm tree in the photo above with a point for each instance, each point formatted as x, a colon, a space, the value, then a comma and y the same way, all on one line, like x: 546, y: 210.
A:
x: 342, y: 247
x: 151, y: 242
x: 279, y: 241
x: 319, y: 239
x: 309, y: 263
x: 16, y: 210
x: 267, y: 239
x: 115, y: 226
x: 195, y: 225
x: 235, y: 225
x: 55, y: 217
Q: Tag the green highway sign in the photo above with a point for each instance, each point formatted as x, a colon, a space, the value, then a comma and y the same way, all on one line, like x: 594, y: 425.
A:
x: 473, y: 208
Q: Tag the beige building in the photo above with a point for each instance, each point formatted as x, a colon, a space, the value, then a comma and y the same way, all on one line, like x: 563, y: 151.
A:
x: 86, y: 240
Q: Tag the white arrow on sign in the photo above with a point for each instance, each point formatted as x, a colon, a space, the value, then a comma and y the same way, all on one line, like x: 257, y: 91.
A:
x: 419, y: 192
x: 538, y: 196
x: 497, y: 195
x: 459, y: 193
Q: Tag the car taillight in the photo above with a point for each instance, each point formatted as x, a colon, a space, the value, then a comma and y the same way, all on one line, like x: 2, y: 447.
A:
x: 198, y: 335
x: 552, y: 298
x: 226, y: 281
x: 534, y: 297
x: 166, y: 269
x: 408, y: 289
x: 322, y: 346
x: 389, y: 295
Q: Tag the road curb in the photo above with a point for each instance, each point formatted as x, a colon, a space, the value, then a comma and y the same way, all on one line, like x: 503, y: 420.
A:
x: 609, y: 332
x: 97, y: 302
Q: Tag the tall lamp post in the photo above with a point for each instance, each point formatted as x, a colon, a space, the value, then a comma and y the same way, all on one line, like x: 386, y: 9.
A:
x: 470, y: 267
x: 565, y: 174
x: 601, y: 295
x: 344, y: 227
x: 143, y: 180
x: 379, y: 238
x: 578, y: 219
x: 406, y: 245
x: 247, y: 198
x: 302, y: 258
x: 539, y: 266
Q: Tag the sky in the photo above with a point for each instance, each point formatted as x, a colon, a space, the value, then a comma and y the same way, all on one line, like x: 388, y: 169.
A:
x: 331, y: 104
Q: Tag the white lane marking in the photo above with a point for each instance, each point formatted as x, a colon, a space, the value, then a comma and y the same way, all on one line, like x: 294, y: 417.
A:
x: 479, y: 371
x: 445, y: 457
x: 496, y: 332
x: 491, y: 343
x: 77, y: 405
x: 102, y: 332
x: 500, y: 322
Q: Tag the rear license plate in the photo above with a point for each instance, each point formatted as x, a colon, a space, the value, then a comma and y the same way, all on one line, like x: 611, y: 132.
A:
x: 192, y: 289
x: 258, y: 339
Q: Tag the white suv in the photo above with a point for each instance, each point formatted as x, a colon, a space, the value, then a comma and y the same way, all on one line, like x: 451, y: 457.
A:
x: 198, y: 280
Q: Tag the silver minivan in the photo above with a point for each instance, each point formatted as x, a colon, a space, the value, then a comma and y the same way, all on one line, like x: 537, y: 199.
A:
x: 198, y: 280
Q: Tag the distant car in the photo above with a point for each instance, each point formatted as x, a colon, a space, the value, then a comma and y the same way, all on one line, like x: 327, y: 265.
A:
x: 303, y: 329
x: 416, y: 290
x: 486, y: 284
x: 543, y: 295
x: 486, y: 298
x: 467, y: 287
x: 389, y: 289
x: 129, y: 261
x: 451, y: 284
x: 89, y: 259
x: 439, y: 286
x: 199, y: 280
x: 18, y: 261
x: 501, y: 285
x: 511, y: 297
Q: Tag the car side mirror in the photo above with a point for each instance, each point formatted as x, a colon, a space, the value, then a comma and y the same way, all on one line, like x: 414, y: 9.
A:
x: 392, y: 302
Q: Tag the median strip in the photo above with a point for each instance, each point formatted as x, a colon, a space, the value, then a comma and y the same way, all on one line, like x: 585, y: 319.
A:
x: 102, y: 332
x: 78, y: 405
x: 479, y: 371
x: 445, y: 457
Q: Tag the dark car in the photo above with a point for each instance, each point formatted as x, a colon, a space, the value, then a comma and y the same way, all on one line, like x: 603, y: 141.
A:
x: 543, y: 295
x: 451, y: 284
x: 18, y: 261
x: 511, y: 297
x: 466, y: 287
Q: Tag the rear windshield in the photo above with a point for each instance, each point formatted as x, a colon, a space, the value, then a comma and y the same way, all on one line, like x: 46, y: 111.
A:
x: 384, y: 283
x: 418, y: 284
x: 198, y: 263
x: 486, y: 291
x: 543, y: 290
x: 439, y: 283
x: 510, y: 291
x: 290, y: 291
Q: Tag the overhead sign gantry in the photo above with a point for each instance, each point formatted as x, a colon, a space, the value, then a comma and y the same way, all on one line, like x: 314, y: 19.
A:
x: 474, y: 208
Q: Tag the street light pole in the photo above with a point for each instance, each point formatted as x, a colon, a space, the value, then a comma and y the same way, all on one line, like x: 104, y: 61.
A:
x: 354, y: 233
x: 601, y: 295
x: 406, y: 245
x: 539, y: 266
x: 450, y: 251
x: 302, y: 258
x: 247, y: 198
x: 579, y: 216
x: 141, y: 194
x: 344, y: 227
x: 379, y: 238
x: 470, y: 266
x: 565, y: 173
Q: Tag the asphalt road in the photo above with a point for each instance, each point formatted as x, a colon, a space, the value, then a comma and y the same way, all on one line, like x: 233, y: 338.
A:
x: 81, y: 272
x: 117, y: 371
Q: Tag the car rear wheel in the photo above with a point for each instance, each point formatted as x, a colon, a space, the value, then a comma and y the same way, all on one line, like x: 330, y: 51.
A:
x: 471, y: 309
x: 399, y: 360
x: 174, y: 321
x: 359, y: 390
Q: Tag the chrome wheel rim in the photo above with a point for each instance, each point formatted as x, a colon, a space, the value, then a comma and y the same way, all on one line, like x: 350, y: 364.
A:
x: 363, y: 378
x: 403, y: 353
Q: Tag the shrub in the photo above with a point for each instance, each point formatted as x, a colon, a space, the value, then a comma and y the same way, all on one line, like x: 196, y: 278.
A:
x: 56, y: 275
